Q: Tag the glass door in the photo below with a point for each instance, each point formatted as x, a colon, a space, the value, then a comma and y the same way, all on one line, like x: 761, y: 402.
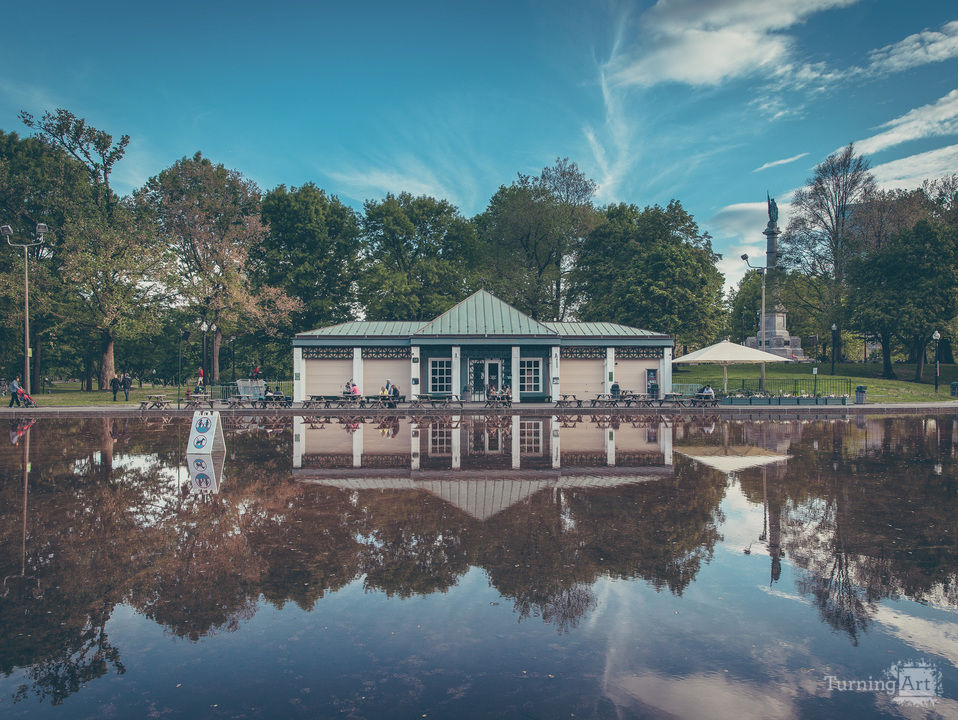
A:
x: 493, y: 379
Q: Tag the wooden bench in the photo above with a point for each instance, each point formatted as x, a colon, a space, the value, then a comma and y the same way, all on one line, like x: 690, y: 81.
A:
x: 498, y: 402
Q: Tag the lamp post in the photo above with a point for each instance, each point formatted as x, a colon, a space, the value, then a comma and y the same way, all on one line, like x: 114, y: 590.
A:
x: 936, y: 336
x: 7, y: 232
x: 763, y: 271
x: 834, y: 343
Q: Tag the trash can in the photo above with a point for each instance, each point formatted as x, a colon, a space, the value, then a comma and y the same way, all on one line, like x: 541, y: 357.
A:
x: 860, y: 394
x: 954, y: 389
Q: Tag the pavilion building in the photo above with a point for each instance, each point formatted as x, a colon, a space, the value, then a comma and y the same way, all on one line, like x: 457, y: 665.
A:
x: 480, y: 343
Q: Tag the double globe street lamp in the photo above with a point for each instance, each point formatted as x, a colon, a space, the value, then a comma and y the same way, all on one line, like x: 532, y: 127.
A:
x: 7, y: 232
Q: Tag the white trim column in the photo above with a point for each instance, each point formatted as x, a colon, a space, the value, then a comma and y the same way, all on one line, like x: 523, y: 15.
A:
x: 414, y: 445
x: 554, y: 442
x: 358, y: 369
x: 456, y: 442
x: 456, y: 371
x: 515, y: 442
x: 358, y: 447
x: 665, y: 371
x: 414, y: 369
x: 665, y: 442
x: 298, y: 441
x: 299, y: 375
x: 554, y: 373
x: 609, y: 376
x: 515, y: 376
x: 610, y: 447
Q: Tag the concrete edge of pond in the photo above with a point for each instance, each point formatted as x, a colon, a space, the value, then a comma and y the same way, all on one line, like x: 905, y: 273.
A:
x: 721, y: 411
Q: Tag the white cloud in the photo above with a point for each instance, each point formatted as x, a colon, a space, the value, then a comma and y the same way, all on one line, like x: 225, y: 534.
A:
x: 935, y: 120
x: 784, y: 161
x: 910, y: 172
x: 615, y: 161
x: 408, y: 175
x: 928, y: 46
x: 738, y: 229
x: 707, y: 42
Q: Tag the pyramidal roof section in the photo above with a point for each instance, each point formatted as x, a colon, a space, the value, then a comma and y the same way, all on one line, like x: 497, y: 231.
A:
x: 482, y: 314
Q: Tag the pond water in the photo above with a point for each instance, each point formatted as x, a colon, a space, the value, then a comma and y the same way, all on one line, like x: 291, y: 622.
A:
x: 470, y: 567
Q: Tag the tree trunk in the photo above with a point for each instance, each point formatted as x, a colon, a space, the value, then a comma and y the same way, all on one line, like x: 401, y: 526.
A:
x: 107, y: 369
x: 217, y: 342
x: 887, y: 370
x: 106, y: 448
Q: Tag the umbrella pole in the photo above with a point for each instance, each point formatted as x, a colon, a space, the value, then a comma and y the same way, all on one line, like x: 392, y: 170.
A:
x: 725, y: 377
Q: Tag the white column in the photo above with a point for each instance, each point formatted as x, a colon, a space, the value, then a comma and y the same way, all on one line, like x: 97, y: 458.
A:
x: 358, y: 369
x: 414, y: 388
x: 665, y: 442
x: 610, y: 447
x: 515, y: 375
x: 665, y: 371
x: 414, y: 445
x: 299, y: 375
x: 299, y: 440
x: 358, y: 447
x: 556, y: 448
x: 456, y: 442
x: 609, y: 368
x: 554, y: 373
x: 515, y: 442
x: 456, y: 371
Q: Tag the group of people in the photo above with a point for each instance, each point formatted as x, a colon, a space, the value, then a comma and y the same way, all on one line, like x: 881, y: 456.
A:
x: 505, y: 394
x: 389, y: 390
x: 121, y: 382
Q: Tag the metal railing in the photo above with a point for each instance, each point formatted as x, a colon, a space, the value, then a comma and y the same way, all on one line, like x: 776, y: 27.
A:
x: 227, y: 390
x: 773, y: 386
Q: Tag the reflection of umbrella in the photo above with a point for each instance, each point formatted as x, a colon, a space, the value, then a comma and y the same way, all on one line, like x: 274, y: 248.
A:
x: 728, y: 353
x: 731, y: 458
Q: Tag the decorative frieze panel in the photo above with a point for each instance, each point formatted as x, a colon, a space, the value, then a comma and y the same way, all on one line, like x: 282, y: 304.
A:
x: 327, y: 353
x: 575, y: 352
x: 638, y: 353
x: 387, y: 353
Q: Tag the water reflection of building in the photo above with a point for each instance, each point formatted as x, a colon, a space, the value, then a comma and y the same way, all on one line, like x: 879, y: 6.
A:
x: 500, y: 442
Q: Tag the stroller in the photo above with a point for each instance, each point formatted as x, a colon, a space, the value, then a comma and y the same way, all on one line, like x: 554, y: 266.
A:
x: 26, y: 400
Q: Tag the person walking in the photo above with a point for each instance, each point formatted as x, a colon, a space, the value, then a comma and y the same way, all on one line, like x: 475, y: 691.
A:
x: 115, y: 386
x: 15, y: 392
x: 127, y: 384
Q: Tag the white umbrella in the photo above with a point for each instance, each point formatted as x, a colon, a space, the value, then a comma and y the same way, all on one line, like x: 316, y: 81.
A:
x: 731, y: 458
x: 728, y: 353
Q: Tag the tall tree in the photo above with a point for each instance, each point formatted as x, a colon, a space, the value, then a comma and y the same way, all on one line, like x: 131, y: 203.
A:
x: 819, y: 241
x: 209, y: 216
x: 532, y: 233
x: 651, y: 269
x: 419, y: 255
x: 310, y: 250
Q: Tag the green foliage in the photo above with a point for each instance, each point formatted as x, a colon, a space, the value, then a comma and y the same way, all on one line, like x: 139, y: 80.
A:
x: 651, y: 269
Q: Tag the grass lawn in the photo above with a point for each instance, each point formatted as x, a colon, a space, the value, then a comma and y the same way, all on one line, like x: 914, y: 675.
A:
x: 66, y: 393
x: 879, y: 389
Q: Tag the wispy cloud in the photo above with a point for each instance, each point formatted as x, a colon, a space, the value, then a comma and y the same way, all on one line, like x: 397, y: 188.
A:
x: 928, y: 46
x: 704, y: 42
x: 934, y: 120
x: 783, y: 161
x: 911, y: 171
x: 374, y: 182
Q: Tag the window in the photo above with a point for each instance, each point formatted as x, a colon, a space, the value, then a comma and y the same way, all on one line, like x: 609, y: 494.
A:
x: 440, y: 441
x: 530, y: 375
x: 440, y: 375
x: 530, y: 437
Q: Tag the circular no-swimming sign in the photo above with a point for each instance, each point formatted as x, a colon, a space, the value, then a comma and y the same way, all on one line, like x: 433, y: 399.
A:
x: 203, y: 481
x: 199, y: 443
x: 203, y: 424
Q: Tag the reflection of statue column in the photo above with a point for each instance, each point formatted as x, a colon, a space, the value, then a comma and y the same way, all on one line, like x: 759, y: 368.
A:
x: 456, y: 442
x: 298, y: 439
x: 515, y: 442
x: 556, y: 452
x: 610, y: 447
x: 774, y: 526
x: 358, y: 446
x: 414, y: 445
x: 665, y: 443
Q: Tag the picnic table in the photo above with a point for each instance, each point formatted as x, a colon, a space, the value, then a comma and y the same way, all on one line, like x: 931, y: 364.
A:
x: 568, y: 400
x: 607, y: 400
x: 198, y: 400
x: 434, y: 400
x: 155, y: 402
x: 242, y: 400
x: 273, y: 401
x: 498, y: 402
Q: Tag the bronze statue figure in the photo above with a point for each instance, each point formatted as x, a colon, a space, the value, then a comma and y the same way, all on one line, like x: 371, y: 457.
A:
x: 772, y: 210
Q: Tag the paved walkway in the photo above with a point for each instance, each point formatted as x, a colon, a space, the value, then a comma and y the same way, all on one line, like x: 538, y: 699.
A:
x: 943, y: 407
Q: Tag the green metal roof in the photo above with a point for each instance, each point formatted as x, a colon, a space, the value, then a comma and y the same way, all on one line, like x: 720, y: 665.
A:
x: 364, y: 329
x: 598, y: 329
x: 484, y: 314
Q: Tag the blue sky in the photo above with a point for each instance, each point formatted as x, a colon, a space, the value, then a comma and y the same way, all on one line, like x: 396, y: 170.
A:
x: 712, y: 102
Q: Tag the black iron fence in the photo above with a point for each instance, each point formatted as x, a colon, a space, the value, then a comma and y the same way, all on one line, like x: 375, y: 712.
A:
x: 227, y: 390
x: 812, y: 387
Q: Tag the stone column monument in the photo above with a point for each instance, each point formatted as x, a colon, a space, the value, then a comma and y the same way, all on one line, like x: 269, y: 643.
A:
x: 777, y: 339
